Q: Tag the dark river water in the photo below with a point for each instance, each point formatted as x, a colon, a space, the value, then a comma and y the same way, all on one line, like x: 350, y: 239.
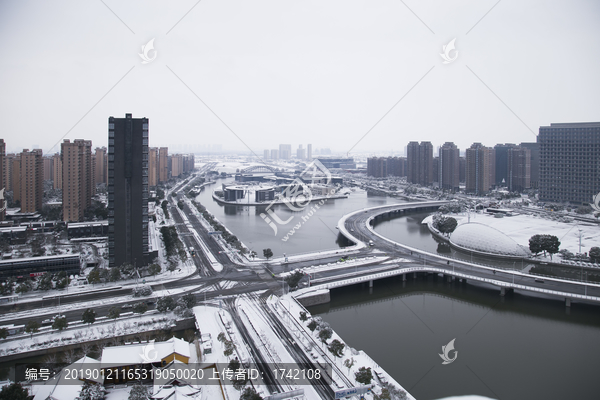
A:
x: 516, y: 347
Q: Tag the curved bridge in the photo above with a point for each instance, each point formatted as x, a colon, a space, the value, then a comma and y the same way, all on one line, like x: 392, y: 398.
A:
x: 258, y: 168
x: 356, y: 227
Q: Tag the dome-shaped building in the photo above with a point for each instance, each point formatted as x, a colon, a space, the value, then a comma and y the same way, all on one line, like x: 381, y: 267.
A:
x: 485, y: 239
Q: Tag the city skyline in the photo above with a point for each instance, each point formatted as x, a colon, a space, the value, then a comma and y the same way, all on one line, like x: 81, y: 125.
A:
x: 375, y: 73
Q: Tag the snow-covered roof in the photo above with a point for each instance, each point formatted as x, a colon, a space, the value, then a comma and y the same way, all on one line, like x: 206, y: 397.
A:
x: 143, y: 353
x: 483, y: 238
x: 175, y: 392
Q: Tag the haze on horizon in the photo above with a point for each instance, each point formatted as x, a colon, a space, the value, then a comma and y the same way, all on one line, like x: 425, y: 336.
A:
x: 285, y: 72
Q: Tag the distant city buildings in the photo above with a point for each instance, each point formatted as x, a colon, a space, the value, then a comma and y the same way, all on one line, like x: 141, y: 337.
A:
x: 285, y: 151
x: 163, y: 164
x: 569, y: 162
x: 153, y: 166
x: 128, y: 190
x: 519, y: 169
x: 380, y: 167
x: 56, y: 171
x: 300, y: 153
x: 274, y: 154
x: 100, y: 162
x: 309, y: 152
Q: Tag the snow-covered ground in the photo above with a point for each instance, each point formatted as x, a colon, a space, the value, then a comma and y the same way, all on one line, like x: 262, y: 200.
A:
x: 522, y: 227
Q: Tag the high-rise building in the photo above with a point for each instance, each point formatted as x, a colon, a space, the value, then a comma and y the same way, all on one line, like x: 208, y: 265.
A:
x: 569, y: 162
x: 2, y: 185
x: 300, y: 153
x: 127, y: 190
x: 377, y: 167
x: 309, y: 152
x: 7, y: 167
x: 57, y: 171
x: 462, y: 169
x: 420, y: 163
x: 285, y: 151
x: 449, y: 172
x: 100, y: 165
x: 163, y: 164
x: 534, y: 149
x: 32, y: 180
x: 501, y: 164
x: 48, y: 168
x: 266, y: 154
x: 16, y: 177
x: 153, y: 167
x: 380, y: 167
x: 176, y: 165
x: 519, y: 169
x: 478, y: 165
x: 77, y: 188
x: 274, y: 154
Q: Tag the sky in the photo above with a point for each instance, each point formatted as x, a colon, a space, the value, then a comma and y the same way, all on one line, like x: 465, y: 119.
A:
x: 354, y: 76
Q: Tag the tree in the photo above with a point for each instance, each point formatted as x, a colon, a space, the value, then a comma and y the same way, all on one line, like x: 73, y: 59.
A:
x: 94, y: 276
x: 91, y: 391
x: 595, y: 254
x: 349, y: 363
x: 303, y: 316
x: 32, y: 327
x: 60, y: 323
x: 250, y: 394
x: 140, y: 308
x: 239, y: 380
x: 180, y: 204
x: 221, y: 337
x: 364, y: 375
x: 551, y: 244
x: 229, y: 348
x: 3, y: 333
x: 448, y: 225
x: 390, y: 392
x: 114, y: 312
x: 14, y: 391
x: 189, y: 300
x: 138, y: 392
x: 535, y: 244
x: 154, y: 269
x: 336, y: 348
x: 115, y: 274
x: 268, y: 253
x: 45, y: 282
x: 88, y: 316
x: 165, y: 304
x: 23, y: 287
x: 293, y: 279
x: 312, y: 325
x: 325, y: 334
x: 252, y: 254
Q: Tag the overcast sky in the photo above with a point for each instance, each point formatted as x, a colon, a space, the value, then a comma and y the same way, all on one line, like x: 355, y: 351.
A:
x: 321, y: 72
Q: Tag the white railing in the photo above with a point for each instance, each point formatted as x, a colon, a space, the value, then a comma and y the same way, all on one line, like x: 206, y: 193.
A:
x: 380, y: 275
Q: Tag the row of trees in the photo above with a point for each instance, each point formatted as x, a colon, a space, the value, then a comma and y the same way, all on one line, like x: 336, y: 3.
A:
x: 230, y: 239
